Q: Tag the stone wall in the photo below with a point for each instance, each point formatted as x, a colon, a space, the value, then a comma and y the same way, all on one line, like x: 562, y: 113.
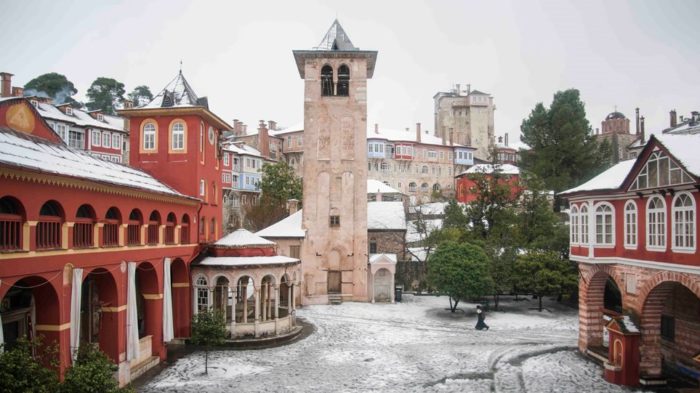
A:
x: 412, y: 275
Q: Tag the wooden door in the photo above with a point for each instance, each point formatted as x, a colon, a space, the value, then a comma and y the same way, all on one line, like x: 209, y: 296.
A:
x: 333, y: 281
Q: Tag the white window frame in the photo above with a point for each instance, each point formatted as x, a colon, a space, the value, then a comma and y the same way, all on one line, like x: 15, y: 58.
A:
x: 116, y: 141
x: 149, y: 136
x: 659, y: 225
x: 96, y: 139
x: 631, y: 225
x: 604, y: 224
x: 573, y: 225
x: 177, y: 136
x: 106, y: 139
x: 202, y: 293
x: 686, y: 225
x: 202, y: 187
x: 583, y: 222
x: 227, y: 159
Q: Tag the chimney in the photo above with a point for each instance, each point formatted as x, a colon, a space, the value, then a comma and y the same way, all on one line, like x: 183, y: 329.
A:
x: 674, y: 120
x: 6, y: 79
x: 418, y: 132
x: 695, y: 116
x: 469, y: 89
x: 506, y: 139
x: 452, y: 136
x: 641, y: 125
x: 376, y: 128
x: 17, y: 91
x: 458, y: 89
x: 263, y: 140
x: 500, y: 139
x: 272, y: 125
x: 636, y: 120
x: 292, y: 206
x: 244, y: 129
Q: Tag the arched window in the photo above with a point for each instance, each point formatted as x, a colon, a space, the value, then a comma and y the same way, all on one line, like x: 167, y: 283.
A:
x: 343, y: 80
x: 604, y: 225
x: 436, y: 187
x: 424, y: 187
x: 215, y: 194
x: 149, y: 136
x: 177, y: 136
x: 48, y: 229
x: 326, y: 81
x: 656, y: 223
x: 683, y: 222
x: 133, y: 228
x: 11, y: 219
x: 412, y: 187
x: 202, y: 290
x: 212, y: 229
x: 170, y: 223
x: 583, y: 221
x: 153, y: 227
x: 573, y: 225
x: 185, y: 230
x: 83, y: 228
x: 110, y: 230
x: 631, y: 224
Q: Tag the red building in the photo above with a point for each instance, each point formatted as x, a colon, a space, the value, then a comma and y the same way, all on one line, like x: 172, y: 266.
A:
x: 634, y: 235
x: 96, y: 251
x: 467, y: 180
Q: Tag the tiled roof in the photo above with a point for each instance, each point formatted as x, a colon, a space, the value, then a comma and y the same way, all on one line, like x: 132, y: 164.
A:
x: 80, y: 118
x: 336, y: 39
x: 177, y: 93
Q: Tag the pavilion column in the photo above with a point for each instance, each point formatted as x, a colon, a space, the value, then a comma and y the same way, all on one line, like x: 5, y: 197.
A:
x: 372, y: 285
x: 257, y: 311
x: 263, y: 302
x: 289, y: 299
x: 270, y: 299
x: 277, y: 302
x: 231, y: 294
x: 244, y: 295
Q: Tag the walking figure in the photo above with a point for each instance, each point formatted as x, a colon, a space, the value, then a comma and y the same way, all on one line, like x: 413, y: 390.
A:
x: 480, y: 315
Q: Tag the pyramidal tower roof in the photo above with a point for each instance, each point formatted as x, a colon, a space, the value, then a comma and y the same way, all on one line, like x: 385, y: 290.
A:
x: 336, y: 39
x: 177, y: 93
x: 335, y: 44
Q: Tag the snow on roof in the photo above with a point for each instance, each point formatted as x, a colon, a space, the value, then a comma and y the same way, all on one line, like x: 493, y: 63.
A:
x: 177, y: 93
x: 242, y: 148
x: 418, y: 254
x: 412, y: 234
x: 406, y: 136
x: 245, y: 261
x: 386, y: 215
x: 433, y: 208
x: 506, y: 169
x: 293, y: 128
x: 685, y: 147
x: 241, y: 238
x: 376, y: 186
x: 80, y: 118
x: 376, y: 257
x: 26, y: 151
x: 287, y: 227
x: 335, y: 39
x: 610, y: 179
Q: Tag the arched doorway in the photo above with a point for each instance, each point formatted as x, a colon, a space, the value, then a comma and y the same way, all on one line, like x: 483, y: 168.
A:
x: 599, y: 295
x: 670, y: 320
x: 180, y: 284
x: 31, y: 309
x: 148, y: 302
x: 285, y: 297
x: 267, y: 298
x: 222, y: 298
x: 245, y: 300
x: 99, y: 312
x: 382, y: 285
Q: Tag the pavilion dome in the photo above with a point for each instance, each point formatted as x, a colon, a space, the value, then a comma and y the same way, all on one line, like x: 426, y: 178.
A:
x: 615, y: 115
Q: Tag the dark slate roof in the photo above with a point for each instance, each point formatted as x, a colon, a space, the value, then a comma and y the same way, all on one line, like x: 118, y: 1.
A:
x: 176, y: 93
x: 336, y: 39
x: 615, y: 115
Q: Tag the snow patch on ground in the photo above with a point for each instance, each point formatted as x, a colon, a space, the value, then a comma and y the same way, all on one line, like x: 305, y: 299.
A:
x: 414, y: 346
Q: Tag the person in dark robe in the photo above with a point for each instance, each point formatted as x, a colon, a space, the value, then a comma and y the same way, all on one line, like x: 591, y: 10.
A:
x: 481, y: 316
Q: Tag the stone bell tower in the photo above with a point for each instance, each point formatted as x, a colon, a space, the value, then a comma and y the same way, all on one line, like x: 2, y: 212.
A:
x: 334, y: 254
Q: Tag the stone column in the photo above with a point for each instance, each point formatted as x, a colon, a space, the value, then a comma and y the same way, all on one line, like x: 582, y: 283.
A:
x: 257, y: 311
x: 372, y: 285
x: 263, y: 302
x: 244, y: 295
x: 277, y: 302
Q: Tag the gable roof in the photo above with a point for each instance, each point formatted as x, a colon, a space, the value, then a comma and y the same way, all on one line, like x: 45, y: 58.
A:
x: 506, y: 169
x: 26, y: 151
x: 611, y: 179
x: 287, y: 227
x: 81, y: 118
x: 336, y: 39
x: 386, y: 216
x: 376, y: 186
x: 177, y: 93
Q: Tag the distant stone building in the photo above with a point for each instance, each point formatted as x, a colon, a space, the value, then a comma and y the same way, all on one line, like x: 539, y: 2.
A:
x: 468, y: 115
x: 505, y: 154
x: 616, y: 130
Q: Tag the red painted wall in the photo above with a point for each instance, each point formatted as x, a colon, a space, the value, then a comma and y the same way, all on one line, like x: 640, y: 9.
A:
x: 465, y: 185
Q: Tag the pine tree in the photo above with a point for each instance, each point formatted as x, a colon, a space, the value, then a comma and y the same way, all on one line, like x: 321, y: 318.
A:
x: 105, y: 94
x: 54, y: 85
x: 562, y: 150
x: 141, y: 95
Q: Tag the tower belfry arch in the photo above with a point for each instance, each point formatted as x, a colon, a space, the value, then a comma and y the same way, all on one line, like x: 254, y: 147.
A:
x: 335, y: 77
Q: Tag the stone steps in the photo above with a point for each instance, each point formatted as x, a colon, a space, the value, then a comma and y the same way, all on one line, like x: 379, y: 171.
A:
x: 335, y: 298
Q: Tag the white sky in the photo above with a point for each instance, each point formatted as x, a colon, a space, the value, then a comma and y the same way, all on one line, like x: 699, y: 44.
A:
x: 239, y: 54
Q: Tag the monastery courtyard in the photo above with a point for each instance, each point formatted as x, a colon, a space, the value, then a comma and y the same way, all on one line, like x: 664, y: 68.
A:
x: 415, y: 346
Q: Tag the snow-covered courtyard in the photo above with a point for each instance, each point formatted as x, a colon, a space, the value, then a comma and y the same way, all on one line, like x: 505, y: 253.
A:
x: 416, y: 346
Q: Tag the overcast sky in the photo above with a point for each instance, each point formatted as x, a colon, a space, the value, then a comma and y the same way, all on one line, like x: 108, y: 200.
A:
x: 239, y: 54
